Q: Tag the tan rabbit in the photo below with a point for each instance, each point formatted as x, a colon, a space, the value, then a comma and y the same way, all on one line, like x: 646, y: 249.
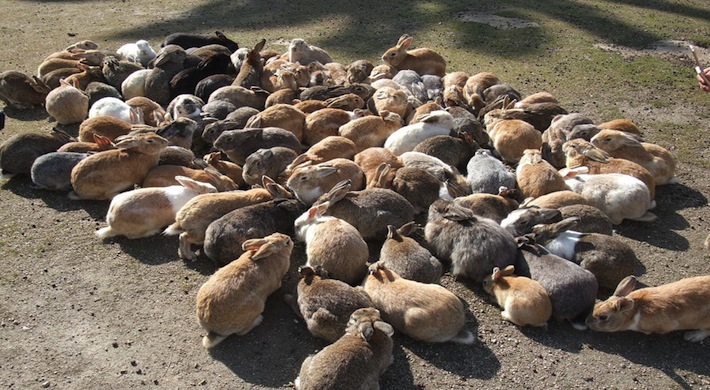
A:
x: 281, y: 115
x: 426, y: 312
x: 166, y: 175
x: 324, y: 123
x: 67, y: 104
x: 511, y: 137
x: 327, y: 149
x: 371, y: 130
x: 495, y: 207
x: 392, y: 100
x: 656, y: 159
x: 536, y: 177
x: 681, y: 305
x: 523, y: 300
x: 231, y: 301
x: 373, y: 161
x: 192, y: 220
x: 326, y: 304
x: 556, y: 200
x: 333, y: 244
x: 310, y: 182
x: 103, y: 125
x: 357, y: 359
x: 422, y: 60
x: 105, y: 174
x: 143, y: 212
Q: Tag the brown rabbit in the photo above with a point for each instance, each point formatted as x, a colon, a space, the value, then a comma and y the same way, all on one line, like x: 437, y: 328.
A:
x: 105, y: 174
x: 523, y: 300
x: 252, y: 67
x: 356, y: 359
x: 326, y: 304
x: 680, y: 305
x: 423, y: 60
x: 537, y: 177
x: 22, y: 91
x: 407, y: 258
x: 426, y: 312
x: 232, y: 300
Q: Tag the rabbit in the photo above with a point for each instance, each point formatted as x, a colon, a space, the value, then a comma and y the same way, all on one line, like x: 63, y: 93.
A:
x: 557, y: 134
x: 536, y: 177
x: 116, y: 73
x: 523, y: 300
x: 372, y: 161
x: 144, y: 212
x: 580, y: 152
x: 67, y: 104
x: 100, y: 143
x: 370, y: 211
x: 495, y: 207
x: 539, y: 115
x: 656, y: 159
x: 618, y: 196
x: 392, y: 100
x: 359, y: 71
x: 324, y: 123
x: 227, y: 168
x: 217, y: 110
x: 624, y: 125
x: 240, y: 96
x: 329, y: 148
x: 185, y: 106
x: 213, y: 62
x: 283, y: 96
x: 473, y: 245
x: 153, y: 113
x: 18, y: 152
x: 474, y: 88
x: 358, y: 358
x: 104, y: 126
x: 283, y: 116
x: 521, y: 221
x: 177, y: 155
x: 116, y: 108
x: 423, y: 60
x: 454, y: 151
x: 303, y: 53
x: 251, y: 68
x: 213, y: 130
x: 166, y: 175
x: 105, y: 174
x: 511, y: 137
x: 371, y: 130
x: 224, y: 236
x: 333, y: 244
x: 193, y: 219
x: 96, y: 90
x: 430, y: 125
x: 411, y: 82
x: 140, y: 52
x: 322, y: 92
x: 418, y: 186
x: 607, y: 257
x: 186, y: 40
x: 407, y: 258
x: 168, y: 63
x: 232, y: 299
x: 537, y: 97
x: 134, y: 84
x: 209, y: 84
x: 426, y: 312
x: 680, y: 305
x: 556, y: 200
x: 326, y: 304
x: 348, y: 102
x: 591, y: 219
x: 272, y: 162
x: 52, y: 171
x: 486, y: 173
x: 87, y: 75
x: 179, y: 132
x: 22, y: 91
x: 239, y: 144
x: 311, y: 181
x: 572, y: 289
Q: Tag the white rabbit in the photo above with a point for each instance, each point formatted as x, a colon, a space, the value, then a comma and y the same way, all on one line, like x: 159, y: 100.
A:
x: 137, y: 52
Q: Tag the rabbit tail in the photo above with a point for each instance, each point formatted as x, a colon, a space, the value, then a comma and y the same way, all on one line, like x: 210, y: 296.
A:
x: 212, y: 339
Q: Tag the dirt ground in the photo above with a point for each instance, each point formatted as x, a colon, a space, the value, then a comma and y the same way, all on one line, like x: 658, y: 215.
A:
x: 76, y: 313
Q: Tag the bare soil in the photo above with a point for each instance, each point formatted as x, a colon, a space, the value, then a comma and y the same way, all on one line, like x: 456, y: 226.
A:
x: 77, y: 313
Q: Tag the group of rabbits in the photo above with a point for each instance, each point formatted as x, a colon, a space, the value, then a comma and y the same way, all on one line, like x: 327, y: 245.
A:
x: 429, y: 171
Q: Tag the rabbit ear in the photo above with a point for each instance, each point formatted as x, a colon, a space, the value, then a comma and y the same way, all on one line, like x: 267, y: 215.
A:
x: 127, y: 143
x: 406, y: 229
x: 393, y: 234
x: 263, y: 248
x: 384, y: 327
x: 366, y: 330
x: 325, y: 171
x: 266, y: 181
x: 625, y: 286
x: 496, y: 274
x: 509, y: 270
x: 597, y: 154
x: 404, y: 41
x: 305, y: 271
x: 458, y: 213
x: 339, y: 191
x: 624, y: 304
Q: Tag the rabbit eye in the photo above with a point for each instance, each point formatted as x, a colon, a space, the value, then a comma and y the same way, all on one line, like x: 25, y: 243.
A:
x: 603, y: 317
x: 608, y: 140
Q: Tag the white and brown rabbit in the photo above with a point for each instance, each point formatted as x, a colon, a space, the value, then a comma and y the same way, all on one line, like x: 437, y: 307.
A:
x: 144, y: 212
x: 427, y: 312
x: 357, y: 359
x: 232, y: 300
x: 523, y: 300
x: 681, y: 305
x: 105, y: 174
x: 326, y: 304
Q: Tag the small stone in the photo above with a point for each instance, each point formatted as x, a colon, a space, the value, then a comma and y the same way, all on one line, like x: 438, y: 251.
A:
x: 204, y: 382
x: 114, y: 344
x: 45, y: 384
